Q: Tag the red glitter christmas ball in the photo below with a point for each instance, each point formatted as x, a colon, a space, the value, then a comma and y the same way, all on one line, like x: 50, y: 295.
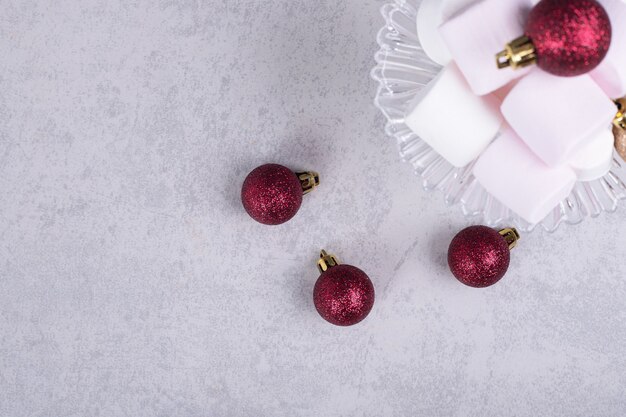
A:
x: 571, y: 37
x: 343, y: 295
x: 479, y: 256
x: 271, y: 194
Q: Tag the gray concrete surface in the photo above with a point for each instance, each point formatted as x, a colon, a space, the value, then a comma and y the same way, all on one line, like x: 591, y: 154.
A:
x: 132, y: 283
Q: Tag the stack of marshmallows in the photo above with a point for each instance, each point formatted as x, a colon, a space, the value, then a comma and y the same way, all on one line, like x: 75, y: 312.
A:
x: 533, y: 134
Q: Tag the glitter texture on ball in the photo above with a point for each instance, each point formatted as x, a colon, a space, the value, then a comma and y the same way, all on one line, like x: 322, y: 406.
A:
x: 343, y: 295
x: 271, y: 194
x: 571, y: 37
x: 479, y: 256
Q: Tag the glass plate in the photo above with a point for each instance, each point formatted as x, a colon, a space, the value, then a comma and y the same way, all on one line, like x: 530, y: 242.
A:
x: 402, y: 70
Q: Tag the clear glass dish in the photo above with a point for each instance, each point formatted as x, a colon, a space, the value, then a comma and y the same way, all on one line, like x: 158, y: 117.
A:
x: 402, y: 70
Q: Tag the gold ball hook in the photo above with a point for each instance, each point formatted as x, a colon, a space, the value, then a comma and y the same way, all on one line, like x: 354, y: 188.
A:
x: 326, y: 261
x: 511, y: 235
x: 309, y: 181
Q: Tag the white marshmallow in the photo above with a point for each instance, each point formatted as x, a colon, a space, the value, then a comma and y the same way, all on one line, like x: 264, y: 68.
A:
x: 454, y: 122
x: 475, y: 36
x: 594, y: 160
x: 611, y: 73
x: 556, y: 116
x: 430, y: 15
x: 521, y: 181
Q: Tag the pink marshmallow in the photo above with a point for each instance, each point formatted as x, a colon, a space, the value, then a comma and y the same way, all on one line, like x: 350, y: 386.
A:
x: 521, y: 181
x: 430, y: 15
x: 456, y: 123
x: 594, y: 160
x: 477, y: 34
x: 556, y: 116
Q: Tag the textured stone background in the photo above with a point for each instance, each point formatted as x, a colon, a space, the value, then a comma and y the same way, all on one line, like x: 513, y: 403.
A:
x: 133, y: 284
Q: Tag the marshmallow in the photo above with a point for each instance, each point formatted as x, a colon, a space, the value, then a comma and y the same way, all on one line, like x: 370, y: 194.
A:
x: 556, y: 116
x: 454, y: 122
x: 594, y: 160
x: 430, y: 15
x: 521, y: 181
x: 611, y: 73
x: 502, y: 92
x: 475, y: 36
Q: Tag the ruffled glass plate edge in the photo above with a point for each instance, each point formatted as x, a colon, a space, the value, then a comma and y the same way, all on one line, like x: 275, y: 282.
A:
x: 402, y: 69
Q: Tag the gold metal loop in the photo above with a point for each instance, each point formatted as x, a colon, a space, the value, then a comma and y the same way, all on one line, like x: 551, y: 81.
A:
x: 326, y: 261
x: 511, y: 235
x: 308, y: 180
